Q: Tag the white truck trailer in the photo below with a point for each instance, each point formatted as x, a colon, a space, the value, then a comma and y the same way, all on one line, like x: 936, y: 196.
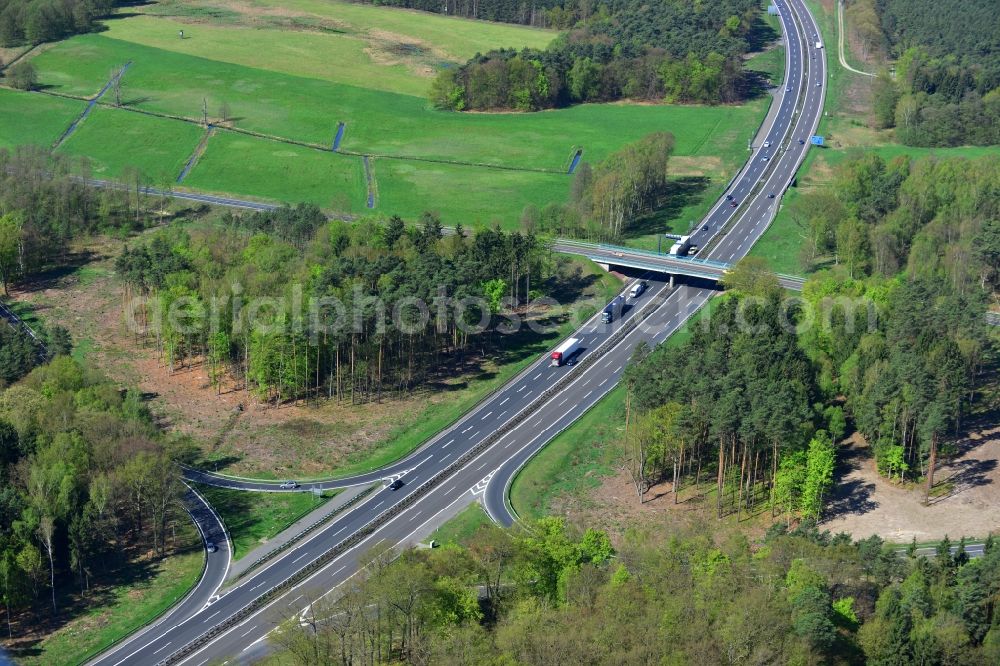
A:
x: 564, y: 351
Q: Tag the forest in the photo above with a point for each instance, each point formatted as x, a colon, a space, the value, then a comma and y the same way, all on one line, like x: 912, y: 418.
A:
x: 928, y: 217
x: 552, y: 595
x: 20, y: 354
x: 45, y: 205
x: 393, y: 306
x: 679, y: 51
x: 87, y: 485
x: 37, y: 21
x: 889, y: 340
x: 539, y: 13
x: 946, y: 88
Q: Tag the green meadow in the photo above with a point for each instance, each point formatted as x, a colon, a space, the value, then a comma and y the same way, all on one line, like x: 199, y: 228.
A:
x: 40, y: 120
x: 265, y: 169
x: 291, y: 71
x: 379, y: 122
x: 114, y: 139
x: 472, y: 196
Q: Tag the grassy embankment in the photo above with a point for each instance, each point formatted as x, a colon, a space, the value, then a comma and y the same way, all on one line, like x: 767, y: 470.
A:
x: 460, y: 528
x: 254, y: 518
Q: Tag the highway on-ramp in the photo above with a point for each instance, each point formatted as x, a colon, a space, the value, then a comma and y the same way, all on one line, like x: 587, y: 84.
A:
x: 480, y: 454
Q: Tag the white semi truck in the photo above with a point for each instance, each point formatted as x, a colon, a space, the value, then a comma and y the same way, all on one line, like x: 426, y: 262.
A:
x: 681, y: 247
x: 564, y: 351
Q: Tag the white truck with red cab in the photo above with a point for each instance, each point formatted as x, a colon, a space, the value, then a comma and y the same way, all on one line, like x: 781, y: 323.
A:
x: 563, y: 352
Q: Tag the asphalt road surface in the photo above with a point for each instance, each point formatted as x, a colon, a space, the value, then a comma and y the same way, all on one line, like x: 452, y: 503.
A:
x: 727, y: 233
x: 216, y: 568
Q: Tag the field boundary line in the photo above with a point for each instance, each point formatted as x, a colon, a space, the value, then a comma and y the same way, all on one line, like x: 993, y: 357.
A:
x: 439, y: 160
x: 307, y: 144
x: 91, y: 103
x: 369, y: 180
x: 18, y: 57
x: 197, y: 153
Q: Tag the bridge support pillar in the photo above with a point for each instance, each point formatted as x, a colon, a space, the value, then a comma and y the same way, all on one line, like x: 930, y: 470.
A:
x: 606, y: 267
x: 671, y: 281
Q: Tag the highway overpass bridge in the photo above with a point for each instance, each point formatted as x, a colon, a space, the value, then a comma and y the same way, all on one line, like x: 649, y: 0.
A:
x: 610, y: 256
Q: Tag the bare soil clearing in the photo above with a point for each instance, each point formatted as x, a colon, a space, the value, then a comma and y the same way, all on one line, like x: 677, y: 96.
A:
x: 290, y: 440
x: 302, y: 440
x: 967, y: 489
x: 614, y: 507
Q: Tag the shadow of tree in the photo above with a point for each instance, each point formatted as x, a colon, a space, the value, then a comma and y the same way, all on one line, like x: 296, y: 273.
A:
x: 679, y: 194
x: 850, y: 496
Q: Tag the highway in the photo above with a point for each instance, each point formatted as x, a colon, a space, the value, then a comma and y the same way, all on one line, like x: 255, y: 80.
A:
x: 481, y: 453
x: 214, y: 574
x: 727, y: 236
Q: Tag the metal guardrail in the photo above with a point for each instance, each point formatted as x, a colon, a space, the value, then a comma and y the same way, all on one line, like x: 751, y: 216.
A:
x: 18, y: 324
x: 306, y: 532
x: 618, y: 251
x: 316, y: 565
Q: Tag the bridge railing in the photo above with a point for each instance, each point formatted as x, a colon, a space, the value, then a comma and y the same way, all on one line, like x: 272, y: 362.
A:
x: 620, y: 251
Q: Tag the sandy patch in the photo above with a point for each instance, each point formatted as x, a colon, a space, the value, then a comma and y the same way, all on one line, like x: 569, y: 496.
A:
x: 389, y: 48
x: 864, y: 503
x: 691, y: 165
